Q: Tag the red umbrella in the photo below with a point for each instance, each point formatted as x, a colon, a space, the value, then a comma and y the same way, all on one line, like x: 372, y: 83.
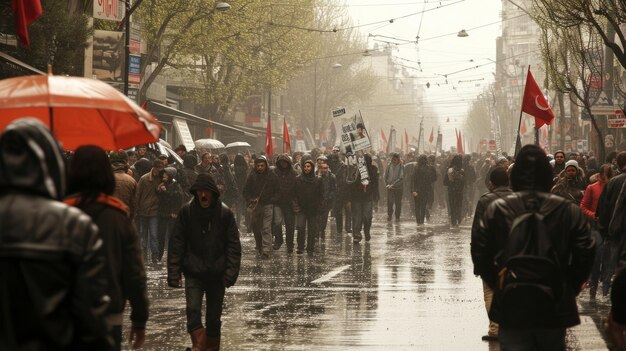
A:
x: 79, y: 111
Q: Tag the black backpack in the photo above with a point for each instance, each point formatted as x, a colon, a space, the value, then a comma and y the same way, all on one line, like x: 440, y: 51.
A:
x: 530, y: 279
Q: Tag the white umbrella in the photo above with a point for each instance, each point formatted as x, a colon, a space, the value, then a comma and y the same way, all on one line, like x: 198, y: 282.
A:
x: 237, y: 144
x: 210, y: 144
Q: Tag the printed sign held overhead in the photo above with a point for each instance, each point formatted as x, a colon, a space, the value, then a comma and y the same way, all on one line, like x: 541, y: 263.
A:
x: 339, y: 112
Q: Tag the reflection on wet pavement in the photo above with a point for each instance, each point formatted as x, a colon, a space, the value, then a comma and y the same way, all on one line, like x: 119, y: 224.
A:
x: 408, y: 289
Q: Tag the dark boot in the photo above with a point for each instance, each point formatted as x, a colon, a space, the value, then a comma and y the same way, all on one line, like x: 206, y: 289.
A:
x: 198, y: 340
x: 213, y: 343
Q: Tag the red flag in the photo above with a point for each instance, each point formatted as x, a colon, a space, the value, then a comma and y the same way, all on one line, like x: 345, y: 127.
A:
x: 145, y: 105
x: 406, y: 140
x: 269, y: 146
x: 459, y: 143
x: 535, y: 104
x: 286, y: 138
x: 25, y: 12
x: 432, y: 136
x: 382, y: 134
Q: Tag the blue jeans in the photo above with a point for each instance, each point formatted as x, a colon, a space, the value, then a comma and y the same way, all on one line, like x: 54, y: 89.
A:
x: 149, y: 227
x: 532, y: 339
x: 195, y: 290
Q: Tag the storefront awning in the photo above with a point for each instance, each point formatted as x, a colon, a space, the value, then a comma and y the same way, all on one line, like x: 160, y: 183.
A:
x: 159, y: 109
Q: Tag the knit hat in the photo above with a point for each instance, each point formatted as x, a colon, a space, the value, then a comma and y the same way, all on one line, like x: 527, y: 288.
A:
x: 572, y: 163
x: 204, y: 182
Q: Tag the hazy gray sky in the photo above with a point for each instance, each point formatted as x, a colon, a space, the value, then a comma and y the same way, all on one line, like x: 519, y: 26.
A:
x: 439, y: 50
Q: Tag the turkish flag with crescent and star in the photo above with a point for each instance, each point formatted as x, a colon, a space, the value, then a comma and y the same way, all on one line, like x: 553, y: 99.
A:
x: 535, y: 104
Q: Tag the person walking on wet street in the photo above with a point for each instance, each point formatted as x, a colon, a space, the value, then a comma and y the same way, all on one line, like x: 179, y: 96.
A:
x: 240, y: 173
x: 285, y: 201
x: 393, y: 183
x: 498, y: 188
x: 171, y: 197
x: 363, y: 194
x: 147, y: 203
x: 611, y: 221
x: 422, y: 187
x: 205, y: 248
x: 308, y: 190
x: 343, y: 197
x: 260, y: 193
x: 454, y: 179
x: 543, y: 253
x: 125, y: 185
x: 52, y: 259
x: 91, y: 183
x: 329, y: 194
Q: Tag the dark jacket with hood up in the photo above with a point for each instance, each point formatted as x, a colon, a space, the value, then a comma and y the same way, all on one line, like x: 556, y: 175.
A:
x: 171, y: 199
x: 618, y: 292
x: 205, y: 243
x: 286, y: 182
x: 569, y: 234
x: 309, y: 191
x: 261, y: 185
x: 51, y: 257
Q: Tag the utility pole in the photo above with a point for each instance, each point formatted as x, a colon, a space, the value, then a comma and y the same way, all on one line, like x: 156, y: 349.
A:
x: 126, y: 45
x: 315, y: 104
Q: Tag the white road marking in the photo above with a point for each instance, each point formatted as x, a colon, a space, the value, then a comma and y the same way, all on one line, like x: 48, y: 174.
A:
x: 330, y: 275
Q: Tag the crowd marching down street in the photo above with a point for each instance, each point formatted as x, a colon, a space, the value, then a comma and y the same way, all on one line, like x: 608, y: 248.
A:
x: 125, y: 210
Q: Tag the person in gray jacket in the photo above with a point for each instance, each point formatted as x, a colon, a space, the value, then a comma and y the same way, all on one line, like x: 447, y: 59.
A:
x: 52, y: 261
x: 393, y: 182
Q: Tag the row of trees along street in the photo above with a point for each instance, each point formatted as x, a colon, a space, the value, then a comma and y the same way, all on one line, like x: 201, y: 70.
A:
x: 217, y: 59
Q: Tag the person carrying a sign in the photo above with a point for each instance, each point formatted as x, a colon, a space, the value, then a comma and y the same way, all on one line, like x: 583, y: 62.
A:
x: 363, y: 194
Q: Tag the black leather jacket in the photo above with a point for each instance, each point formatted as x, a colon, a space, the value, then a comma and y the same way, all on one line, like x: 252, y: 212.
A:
x: 618, y: 292
x: 51, y: 258
x: 570, y: 236
x: 205, y: 244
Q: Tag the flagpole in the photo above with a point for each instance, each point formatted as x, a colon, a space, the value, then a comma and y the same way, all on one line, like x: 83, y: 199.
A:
x: 518, y: 141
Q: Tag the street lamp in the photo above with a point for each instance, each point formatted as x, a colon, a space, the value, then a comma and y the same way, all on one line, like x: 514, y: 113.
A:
x: 335, y: 65
x: 222, y: 6
x: 462, y: 34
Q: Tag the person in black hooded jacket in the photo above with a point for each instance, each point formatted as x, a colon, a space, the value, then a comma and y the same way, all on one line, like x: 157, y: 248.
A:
x: 363, y: 195
x: 308, y: 195
x: 205, y: 247
x: 285, y: 201
x: 52, y: 260
x: 526, y: 324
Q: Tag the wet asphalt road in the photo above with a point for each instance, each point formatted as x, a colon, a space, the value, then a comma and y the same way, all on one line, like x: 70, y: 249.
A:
x: 409, y: 288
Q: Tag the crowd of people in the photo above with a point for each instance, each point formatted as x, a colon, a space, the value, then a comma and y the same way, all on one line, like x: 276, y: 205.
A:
x: 124, y: 208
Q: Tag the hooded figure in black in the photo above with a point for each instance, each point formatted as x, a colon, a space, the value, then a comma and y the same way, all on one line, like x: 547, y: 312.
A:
x: 285, y: 202
x: 171, y: 198
x: 52, y: 261
x: 308, y: 190
x: 422, y: 187
x: 240, y: 173
x: 260, y: 193
x: 530, y: 321
x: 454, y: 179
x: 205, y: 247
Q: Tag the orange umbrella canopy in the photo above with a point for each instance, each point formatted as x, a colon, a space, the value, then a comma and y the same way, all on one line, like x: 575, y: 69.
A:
x: 79, y: 111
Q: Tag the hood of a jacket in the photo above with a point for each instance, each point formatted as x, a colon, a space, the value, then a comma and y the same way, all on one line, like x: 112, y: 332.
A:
x: 284, y: 158
x: 171, y: 173
x: 311, y: 176
x: 31, y: 159
x: 531, y: 171
x: 205, y: 182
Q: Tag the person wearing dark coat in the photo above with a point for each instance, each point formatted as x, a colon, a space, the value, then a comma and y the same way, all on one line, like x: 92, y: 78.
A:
x: 454, y: 179
x: 189, y: 163
x: 52, y: 258
x: 329, y: 183
x: 469, y: 189
x: 240, y: 172
x: 205, y: 248
x: 285, y: 202
x: 498, y: 188
x: 260, y: 193
x: 231, y: 191
x: 363, y: 194
x: 522, y: 325
x: 616, y: 322
x: 308, y: 190
x: 422, y: 187
x: 559, y: 163
x: 92, y: 183
x: 171, y: 198
x: 141, y: 167
x: 344, y: 172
